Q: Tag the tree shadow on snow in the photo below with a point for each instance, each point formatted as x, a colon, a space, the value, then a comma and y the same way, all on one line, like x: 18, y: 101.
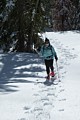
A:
x: 16, y: 68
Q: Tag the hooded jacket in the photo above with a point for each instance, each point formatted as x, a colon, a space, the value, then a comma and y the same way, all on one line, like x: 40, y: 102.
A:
x: 48, y: 52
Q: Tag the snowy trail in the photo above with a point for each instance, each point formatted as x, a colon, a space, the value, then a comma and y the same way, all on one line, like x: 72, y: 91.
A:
x: 47, y: 97
x: 23, y: 96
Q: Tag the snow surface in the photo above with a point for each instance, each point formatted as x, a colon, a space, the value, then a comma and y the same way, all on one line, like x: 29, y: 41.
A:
x: 23, y: 96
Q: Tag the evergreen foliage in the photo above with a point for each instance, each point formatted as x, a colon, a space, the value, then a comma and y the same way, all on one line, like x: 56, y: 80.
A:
x: 21, y: 21
x: 25, y: 21
x: 66, y: 15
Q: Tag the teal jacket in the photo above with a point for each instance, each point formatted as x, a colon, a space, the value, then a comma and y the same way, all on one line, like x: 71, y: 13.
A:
x: 48, y: 52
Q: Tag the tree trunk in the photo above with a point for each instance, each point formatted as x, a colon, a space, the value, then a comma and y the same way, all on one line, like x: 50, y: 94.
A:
x: 30, y: 41
x: 62, y: 25
x: 20, y: 43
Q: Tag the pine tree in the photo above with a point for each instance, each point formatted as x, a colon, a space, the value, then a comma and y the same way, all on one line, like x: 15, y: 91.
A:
x: 5, y: 32
x: 2, y: 8
x: 63, y: 13
x: 76, y: 23
x: 24, y: 21
x: 2, y: 5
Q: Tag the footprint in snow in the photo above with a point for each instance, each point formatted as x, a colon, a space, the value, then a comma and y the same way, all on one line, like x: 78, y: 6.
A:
x: 62, y: 90
x: 26, y: 108
x: 36, y: 94
x: 61, y: 110
x: 38, y: 109
x: 47, y: 104
x: 63, y: 99
x: 22, y: 119
x: 44, y: 99
x: 50, y: 94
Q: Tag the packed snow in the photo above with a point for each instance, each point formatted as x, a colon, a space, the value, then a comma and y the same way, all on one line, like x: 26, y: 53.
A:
x: 23, y: 94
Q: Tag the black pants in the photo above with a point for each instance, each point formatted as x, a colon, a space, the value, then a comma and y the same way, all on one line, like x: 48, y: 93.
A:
x: 49, y: 65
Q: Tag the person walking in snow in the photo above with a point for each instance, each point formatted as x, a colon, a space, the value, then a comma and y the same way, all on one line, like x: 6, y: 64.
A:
x: 48, y: 52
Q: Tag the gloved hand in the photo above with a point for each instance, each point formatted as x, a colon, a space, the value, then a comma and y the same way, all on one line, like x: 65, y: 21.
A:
x: 56, y: 57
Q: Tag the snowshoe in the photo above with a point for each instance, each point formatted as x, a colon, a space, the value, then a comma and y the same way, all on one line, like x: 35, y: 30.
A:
x: 48, y: 77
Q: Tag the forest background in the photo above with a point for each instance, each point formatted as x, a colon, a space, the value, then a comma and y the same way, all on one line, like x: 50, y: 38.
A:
x: 21, y: 21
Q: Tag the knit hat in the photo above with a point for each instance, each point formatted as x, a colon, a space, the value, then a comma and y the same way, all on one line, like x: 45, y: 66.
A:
x: 47, y: 40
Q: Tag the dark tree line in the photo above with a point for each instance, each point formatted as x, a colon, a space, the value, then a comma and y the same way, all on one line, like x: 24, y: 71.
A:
x: 21, y: 21
x: 21, y: 24
x: 65, y: 15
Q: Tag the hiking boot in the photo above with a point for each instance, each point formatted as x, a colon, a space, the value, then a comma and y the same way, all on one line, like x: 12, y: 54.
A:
x: 52, y: 74
x: 48, y: 77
